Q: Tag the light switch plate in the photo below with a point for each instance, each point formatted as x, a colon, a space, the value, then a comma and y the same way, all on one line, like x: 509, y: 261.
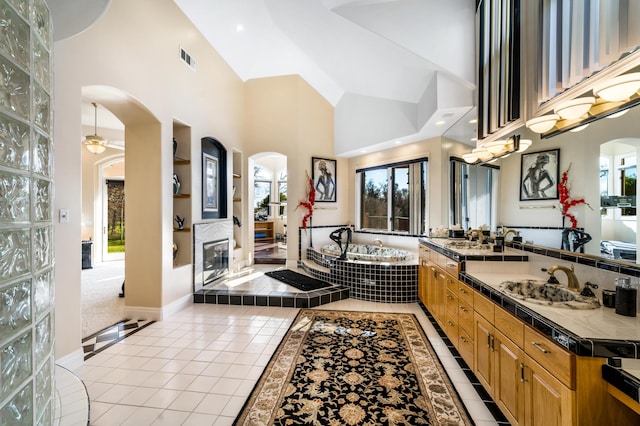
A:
x: 64, y: 215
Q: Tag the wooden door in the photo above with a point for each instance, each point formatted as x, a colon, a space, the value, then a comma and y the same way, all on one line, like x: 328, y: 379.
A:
x: 547, y: 401
x: 509, y: 376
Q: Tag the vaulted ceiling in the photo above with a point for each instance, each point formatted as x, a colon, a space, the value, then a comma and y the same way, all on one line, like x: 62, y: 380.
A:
x: 395, y: 70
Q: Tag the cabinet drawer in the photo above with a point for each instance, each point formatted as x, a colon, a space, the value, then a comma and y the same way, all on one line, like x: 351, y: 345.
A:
x: 465, y: 292
x: 451, y: 329
x: 483, y: 306
x: 465, y: 316
x: 465, y: 346
x: 451, y: 267
x: 452, y: 303
x: 559, y: 362
x: 510, y: 326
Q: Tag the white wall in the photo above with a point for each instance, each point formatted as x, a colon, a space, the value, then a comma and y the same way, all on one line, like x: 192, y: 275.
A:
x: 139, y: 77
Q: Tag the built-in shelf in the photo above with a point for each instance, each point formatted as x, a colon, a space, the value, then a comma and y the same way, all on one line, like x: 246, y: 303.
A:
x: 182, y: 200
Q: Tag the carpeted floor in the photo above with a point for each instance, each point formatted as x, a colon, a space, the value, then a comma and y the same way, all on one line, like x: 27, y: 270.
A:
x: 341, y: 367
x: 101, y: 306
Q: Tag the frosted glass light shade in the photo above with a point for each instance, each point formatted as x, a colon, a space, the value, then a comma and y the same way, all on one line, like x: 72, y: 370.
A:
x: 542, y: 124
x: 574, y: 108
x: 524, y: 145
x: 470, y: 157
x: 618, y: 88
x: 95, y: 144
x: 496, y: 147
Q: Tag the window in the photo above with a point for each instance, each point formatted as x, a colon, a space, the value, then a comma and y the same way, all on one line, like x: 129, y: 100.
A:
x: 628, y: 177
x: 261, y: 193
x: 282, y: 192
x: 393, y: 197
x: 474, y: 190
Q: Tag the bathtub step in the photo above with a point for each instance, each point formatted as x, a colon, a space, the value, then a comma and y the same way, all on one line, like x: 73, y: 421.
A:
x: 308, y: 264
x: 284, y: 299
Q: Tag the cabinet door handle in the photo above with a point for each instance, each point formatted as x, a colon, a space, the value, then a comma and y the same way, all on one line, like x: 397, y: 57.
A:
x: 462, y: 290
x: 451, y: 265
x: 488, y: 340
x: 450, y: 323
x: 539, y: 347
x: 463, y: 339
x: 463, y: 309
x: 493, y: 343
x: 449, y: 297
x: 521, y: 373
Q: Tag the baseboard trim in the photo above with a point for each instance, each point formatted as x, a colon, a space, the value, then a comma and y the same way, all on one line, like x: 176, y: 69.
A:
x: 158, y: 314
x: 175, y: 307
x: 73, y: 361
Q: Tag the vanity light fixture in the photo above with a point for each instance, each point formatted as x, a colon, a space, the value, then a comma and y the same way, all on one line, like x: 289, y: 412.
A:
x: 618, y: 114
x: 94, y: 143
x: 618, y: 88
x: 574, y: 108
x: 492, y: 151
x: 542, y: 124
x: 579, y: 128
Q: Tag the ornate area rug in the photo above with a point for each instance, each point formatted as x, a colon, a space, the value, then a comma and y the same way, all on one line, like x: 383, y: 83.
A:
x: 353, y: 368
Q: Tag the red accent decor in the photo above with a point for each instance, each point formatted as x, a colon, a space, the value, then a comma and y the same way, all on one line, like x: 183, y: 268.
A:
x: 309, y: 202
x: 566, y: 201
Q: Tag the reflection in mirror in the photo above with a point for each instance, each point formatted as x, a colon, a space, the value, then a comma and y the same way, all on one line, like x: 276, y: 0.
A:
x: 474, y: 190
x: 618, y: 176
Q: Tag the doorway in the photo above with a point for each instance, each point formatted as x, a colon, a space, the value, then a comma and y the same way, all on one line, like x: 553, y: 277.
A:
x: 269, y: 208
x: 618, y: 189
x: 112, y: 217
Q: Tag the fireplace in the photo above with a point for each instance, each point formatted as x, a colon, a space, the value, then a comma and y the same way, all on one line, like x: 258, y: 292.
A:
x: 215, y: 260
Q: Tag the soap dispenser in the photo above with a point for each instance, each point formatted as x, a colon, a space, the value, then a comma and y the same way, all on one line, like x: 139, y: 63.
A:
x: 626, y: 297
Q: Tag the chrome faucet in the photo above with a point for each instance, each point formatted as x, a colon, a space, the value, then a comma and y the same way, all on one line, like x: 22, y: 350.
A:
x: 509, y: 231
x: 573, y: 283
x: 378, y: 242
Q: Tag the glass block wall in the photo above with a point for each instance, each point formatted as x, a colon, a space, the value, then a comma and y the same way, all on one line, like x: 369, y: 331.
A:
x: 26, y: 227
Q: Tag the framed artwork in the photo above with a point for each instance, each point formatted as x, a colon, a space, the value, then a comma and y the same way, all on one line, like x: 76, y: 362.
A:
x: 210, y: 196
x: 324, y: 179
x: 539, y: 175
x: 214, y: 179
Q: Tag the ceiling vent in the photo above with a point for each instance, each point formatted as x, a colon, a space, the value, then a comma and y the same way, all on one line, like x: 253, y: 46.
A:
x: 188, y: 59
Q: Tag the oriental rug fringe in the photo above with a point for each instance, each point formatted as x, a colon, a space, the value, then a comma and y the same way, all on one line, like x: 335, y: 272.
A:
x: 353, y: 368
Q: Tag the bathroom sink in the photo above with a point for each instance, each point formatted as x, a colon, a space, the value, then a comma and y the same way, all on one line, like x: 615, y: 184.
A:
x: 467, y: 245
x: 543, y: 293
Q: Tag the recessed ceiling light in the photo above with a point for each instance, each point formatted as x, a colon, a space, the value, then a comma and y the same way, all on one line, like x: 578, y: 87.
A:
x: 440, y: 122
x: 473, y: 139
x: 397, y: 142
x: 239, y: 28
x: 473, y: 121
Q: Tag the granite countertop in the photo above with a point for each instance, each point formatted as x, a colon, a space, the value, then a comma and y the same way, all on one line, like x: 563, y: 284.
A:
x: 600, y: 323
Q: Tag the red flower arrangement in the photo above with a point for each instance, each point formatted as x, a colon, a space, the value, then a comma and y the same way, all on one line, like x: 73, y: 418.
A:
x: 566, y: 201
x: 309, y: 202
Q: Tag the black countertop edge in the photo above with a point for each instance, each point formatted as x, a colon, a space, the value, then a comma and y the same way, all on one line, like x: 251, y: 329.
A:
x: 491, y: 256
x: 604, y: 348
x: 628, y: 384
x: 580, y: 258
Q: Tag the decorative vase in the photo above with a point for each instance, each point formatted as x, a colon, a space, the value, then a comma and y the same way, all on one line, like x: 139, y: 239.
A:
x: 175, y: 250
x: 176, y: 184
x: 175, y: 147
x: 310, y: 232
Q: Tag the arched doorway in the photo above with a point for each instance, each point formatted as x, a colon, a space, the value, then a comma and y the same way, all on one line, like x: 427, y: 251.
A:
x: 268, y: 207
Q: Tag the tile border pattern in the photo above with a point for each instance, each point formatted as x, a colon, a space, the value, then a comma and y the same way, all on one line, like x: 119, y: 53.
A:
x: 111, y: 335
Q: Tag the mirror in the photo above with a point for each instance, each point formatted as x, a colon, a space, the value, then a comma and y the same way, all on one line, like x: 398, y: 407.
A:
x: 616, y: 140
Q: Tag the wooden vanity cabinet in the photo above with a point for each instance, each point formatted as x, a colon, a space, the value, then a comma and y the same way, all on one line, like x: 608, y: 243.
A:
x: 517, y: 383
x: 533, y: 380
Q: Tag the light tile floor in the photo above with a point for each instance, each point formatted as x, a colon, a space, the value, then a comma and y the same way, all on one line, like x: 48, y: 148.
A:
x: 199, y: 366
